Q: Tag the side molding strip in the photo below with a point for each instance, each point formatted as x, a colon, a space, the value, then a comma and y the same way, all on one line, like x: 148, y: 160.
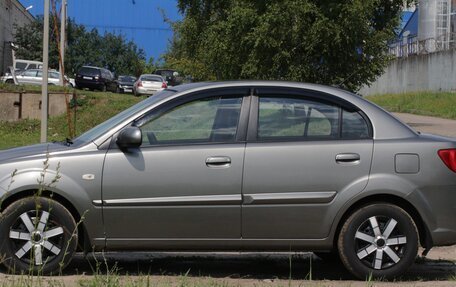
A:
x: 175, y: 200
x: 289, y: 197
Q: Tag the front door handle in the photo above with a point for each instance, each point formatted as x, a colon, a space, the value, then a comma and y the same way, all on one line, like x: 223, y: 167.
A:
x: 352, y: 158
x: 218, y: 161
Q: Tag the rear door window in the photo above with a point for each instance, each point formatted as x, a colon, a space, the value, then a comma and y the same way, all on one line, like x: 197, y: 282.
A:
x: 306, y: 118
x: 295, y: 118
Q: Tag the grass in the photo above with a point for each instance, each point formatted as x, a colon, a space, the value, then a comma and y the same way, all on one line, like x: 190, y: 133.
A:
x: 437, y: 104
x: 30, y: 88
x: 94, y: 108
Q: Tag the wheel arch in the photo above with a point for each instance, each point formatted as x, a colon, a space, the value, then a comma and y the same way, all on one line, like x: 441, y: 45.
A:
x: 425, y: 237
x: 83, y: 240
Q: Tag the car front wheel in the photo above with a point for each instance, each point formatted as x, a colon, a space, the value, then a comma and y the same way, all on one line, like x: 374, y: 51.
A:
x: 38, y: 235
x: 378, y: 240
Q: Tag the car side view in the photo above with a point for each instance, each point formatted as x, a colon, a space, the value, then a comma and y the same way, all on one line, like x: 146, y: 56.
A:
x: 234, y: 166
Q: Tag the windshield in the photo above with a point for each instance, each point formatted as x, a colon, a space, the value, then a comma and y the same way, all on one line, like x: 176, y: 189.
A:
x: 104, y: 127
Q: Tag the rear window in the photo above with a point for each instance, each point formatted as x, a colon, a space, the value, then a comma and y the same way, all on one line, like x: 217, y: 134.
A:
x: 89, y: 71
x: 152, y: 78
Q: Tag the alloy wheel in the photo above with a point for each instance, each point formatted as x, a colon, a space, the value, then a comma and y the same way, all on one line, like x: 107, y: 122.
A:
x: 379, y: 243
x: 36, y: 237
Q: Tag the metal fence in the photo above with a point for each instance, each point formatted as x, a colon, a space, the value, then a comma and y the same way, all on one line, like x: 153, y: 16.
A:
x: 411, y: 45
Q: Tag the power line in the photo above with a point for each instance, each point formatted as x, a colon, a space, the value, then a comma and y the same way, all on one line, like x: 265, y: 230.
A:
x: 127, y: 27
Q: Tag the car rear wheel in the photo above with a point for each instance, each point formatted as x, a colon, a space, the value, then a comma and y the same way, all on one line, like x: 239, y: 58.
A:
x: 9, y: 81
x: 378, y: 240
x: 38, y: 235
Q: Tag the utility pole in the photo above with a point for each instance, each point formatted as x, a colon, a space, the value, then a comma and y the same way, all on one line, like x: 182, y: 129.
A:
x: 44, y: 84
x: 62, y: 41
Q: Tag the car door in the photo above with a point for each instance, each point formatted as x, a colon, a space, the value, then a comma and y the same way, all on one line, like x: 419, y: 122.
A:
x: 184, y: 182
x: 305, y: 153
x: 28, y: 77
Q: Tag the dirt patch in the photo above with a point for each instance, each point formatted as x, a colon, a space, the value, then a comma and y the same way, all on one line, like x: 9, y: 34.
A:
x: 239, y: 269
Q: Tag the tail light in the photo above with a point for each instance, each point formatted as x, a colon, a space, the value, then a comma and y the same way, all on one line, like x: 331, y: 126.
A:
x: 164, y: 85
x: 448, y: 157
x: 139, y: 84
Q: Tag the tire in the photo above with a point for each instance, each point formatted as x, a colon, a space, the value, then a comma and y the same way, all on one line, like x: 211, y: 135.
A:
x: 24, y: 218
x: 9, y: 81
x: 103, y: 88
x: 395, y: 242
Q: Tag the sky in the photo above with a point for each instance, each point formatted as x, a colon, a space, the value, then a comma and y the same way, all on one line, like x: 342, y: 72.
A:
x: 139, y: 20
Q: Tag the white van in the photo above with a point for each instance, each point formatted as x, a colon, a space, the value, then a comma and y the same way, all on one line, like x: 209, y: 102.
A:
x: 27, y: 65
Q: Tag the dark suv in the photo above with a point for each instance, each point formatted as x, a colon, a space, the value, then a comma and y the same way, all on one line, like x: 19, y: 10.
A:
x: 94, y: 78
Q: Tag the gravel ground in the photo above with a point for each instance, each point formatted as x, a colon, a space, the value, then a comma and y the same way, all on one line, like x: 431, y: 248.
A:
x: 438, y: 269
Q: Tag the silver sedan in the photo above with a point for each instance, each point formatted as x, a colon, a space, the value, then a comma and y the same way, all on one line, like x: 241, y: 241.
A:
x: 35, y: 77
x: 234, y: 166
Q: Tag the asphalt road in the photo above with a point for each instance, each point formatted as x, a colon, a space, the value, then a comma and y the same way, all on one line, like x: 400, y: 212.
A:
x: 432, y: 125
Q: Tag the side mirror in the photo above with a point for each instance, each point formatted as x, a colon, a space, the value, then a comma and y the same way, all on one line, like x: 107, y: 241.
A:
x: 130, y: 137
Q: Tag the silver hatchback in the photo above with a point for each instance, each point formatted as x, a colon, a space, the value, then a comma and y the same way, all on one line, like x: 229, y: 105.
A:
x: 234, y: 166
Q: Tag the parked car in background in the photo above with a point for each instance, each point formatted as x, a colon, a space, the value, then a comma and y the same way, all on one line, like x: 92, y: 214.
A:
x: 248, y: 165
x: 171, y: 76
x: 22, y: 65
x: 148, y: 84
x: 95, y: 78
x: 35, y: 77
x: 125, y: 84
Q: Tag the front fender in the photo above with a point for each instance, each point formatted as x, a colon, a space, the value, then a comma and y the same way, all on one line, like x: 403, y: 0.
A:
x: 22, y: 181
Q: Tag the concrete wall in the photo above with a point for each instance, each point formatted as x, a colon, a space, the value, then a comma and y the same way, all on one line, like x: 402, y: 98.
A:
x: 427, y: 72
x: 11, y: 13
x: 15, y: 106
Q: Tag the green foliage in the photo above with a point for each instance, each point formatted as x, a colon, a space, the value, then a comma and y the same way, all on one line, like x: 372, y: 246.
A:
x: 321, y: 41
x: 84, y: 48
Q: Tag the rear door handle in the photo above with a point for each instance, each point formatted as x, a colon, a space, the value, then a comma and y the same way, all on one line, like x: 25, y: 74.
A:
x: 353, y: 158
x: 218, y: 161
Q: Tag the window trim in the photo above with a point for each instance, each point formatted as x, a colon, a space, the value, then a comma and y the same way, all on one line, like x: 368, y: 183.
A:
x: 240, y: 137
x: 305, y: 94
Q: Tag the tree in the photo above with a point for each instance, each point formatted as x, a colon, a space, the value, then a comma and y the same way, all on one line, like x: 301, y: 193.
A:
x: 320, y: 41
x: 84, y: 48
